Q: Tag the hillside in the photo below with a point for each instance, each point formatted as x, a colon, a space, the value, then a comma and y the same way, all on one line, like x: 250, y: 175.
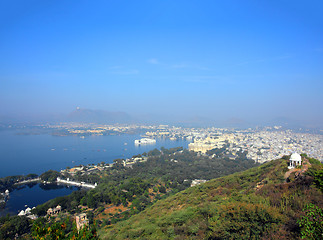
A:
x: 124, y: 189
x: 258, y: 203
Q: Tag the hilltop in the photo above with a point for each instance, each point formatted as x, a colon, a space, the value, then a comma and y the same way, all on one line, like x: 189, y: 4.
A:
x: 259, y: 203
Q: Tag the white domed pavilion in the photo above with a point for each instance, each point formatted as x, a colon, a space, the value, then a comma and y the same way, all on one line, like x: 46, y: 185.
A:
x: 295, y: 160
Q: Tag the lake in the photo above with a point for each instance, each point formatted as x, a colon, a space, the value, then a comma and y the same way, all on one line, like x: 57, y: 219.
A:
x: 32, y: 195
x: 24, y: 154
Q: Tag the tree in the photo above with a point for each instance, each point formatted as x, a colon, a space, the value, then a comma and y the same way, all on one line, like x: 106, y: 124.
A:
x: 91, y: 202
x: 162, y: 189
x: 50, y: 176
x: 12, y: 226
x: 65, y: 229
x: 318, y: 179
x: 154, y: 152
x: 31, y: 176
x: 312, y: 223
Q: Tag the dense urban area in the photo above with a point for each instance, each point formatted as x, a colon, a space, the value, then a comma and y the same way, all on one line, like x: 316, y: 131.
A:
x: 262, y: 144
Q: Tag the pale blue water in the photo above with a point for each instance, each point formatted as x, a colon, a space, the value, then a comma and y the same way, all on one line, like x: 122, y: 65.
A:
x: 24, y: 154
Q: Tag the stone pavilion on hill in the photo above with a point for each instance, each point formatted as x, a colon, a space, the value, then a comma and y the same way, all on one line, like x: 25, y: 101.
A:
x: 295, y: 160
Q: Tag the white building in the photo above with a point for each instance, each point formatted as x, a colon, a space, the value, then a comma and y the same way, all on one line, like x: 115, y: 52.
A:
x: 197, y: 182
x: 295, y: 160
x: 145, y: 141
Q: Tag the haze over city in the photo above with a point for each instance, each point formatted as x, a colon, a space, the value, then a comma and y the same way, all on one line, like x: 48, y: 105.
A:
x: 185, y: 61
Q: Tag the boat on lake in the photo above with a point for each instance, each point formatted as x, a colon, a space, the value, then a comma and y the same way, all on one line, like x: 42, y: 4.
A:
x: 145, y: 141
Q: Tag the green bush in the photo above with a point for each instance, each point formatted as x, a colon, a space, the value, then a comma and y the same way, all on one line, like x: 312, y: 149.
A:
x: 312, y: 223
x: 318, y: 179
x: 241, y: 220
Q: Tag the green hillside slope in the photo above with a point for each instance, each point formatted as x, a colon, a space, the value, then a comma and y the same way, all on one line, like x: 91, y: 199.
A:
x: 255, y: 204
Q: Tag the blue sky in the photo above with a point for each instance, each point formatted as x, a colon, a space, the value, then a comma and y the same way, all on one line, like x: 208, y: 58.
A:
x: 253, y: 60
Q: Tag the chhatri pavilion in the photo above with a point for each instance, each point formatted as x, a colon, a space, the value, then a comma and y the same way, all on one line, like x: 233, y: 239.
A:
x: 295, y: 160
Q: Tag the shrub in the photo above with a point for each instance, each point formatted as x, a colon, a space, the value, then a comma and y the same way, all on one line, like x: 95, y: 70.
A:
x: 312, y: 223
x: 242, y: 221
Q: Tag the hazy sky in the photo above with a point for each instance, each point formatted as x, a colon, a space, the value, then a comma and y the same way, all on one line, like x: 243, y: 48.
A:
x: 253, y: 60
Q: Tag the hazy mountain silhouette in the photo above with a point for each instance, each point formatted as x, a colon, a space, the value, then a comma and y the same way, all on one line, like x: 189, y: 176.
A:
x: 98, y: 116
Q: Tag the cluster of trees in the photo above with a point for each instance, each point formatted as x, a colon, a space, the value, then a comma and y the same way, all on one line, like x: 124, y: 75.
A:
x: 146, y: 182
x: 63, y: 229
x: 233, y: 207
x: 12, y: 227
x: 188, y: 166
x: 237, y: 220
x: 88, y: 178
x: 50, y: 176
x: 8, y: 182
x: 69, y: 203
x: 166, y: 172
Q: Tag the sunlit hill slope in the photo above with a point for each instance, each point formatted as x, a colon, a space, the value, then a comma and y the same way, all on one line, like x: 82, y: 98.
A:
x: 260, y: 203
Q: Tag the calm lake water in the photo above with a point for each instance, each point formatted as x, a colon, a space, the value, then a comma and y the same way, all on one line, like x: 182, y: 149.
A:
x: 33, y: 195
x: 24, y: 154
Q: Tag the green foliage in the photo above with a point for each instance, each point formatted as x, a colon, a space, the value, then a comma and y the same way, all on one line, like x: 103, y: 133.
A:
x: 154, y: 152
x: 50, y: 176
x: 68, y: 203
x: 162, y: 189
x: 254, y: 204
x: 8, y: 182
x: 91, y: 202
x: 314, y: 161
x: 318, y: 179
x: 312, y: 223
x: 122, y: 185
x: 242, y: 221
x: 42, y: 230
x: 14, y: 225
x: 31, y: 176
x: 171, y: 150
x: 65, y: 229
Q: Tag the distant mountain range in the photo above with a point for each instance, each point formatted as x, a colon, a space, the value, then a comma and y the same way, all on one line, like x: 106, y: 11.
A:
x: 83, y: 115
x: 98, y: 116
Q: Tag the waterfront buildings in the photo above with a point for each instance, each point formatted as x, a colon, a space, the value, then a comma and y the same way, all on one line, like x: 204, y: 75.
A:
x: 260, y: 144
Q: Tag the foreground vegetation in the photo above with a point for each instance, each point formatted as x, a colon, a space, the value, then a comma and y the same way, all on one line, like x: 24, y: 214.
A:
x: 126, y: 191
x: 153, y: 200
x: 255, y: 204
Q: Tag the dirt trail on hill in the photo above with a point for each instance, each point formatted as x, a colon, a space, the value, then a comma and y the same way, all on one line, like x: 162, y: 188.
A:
x: 302, y: 170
